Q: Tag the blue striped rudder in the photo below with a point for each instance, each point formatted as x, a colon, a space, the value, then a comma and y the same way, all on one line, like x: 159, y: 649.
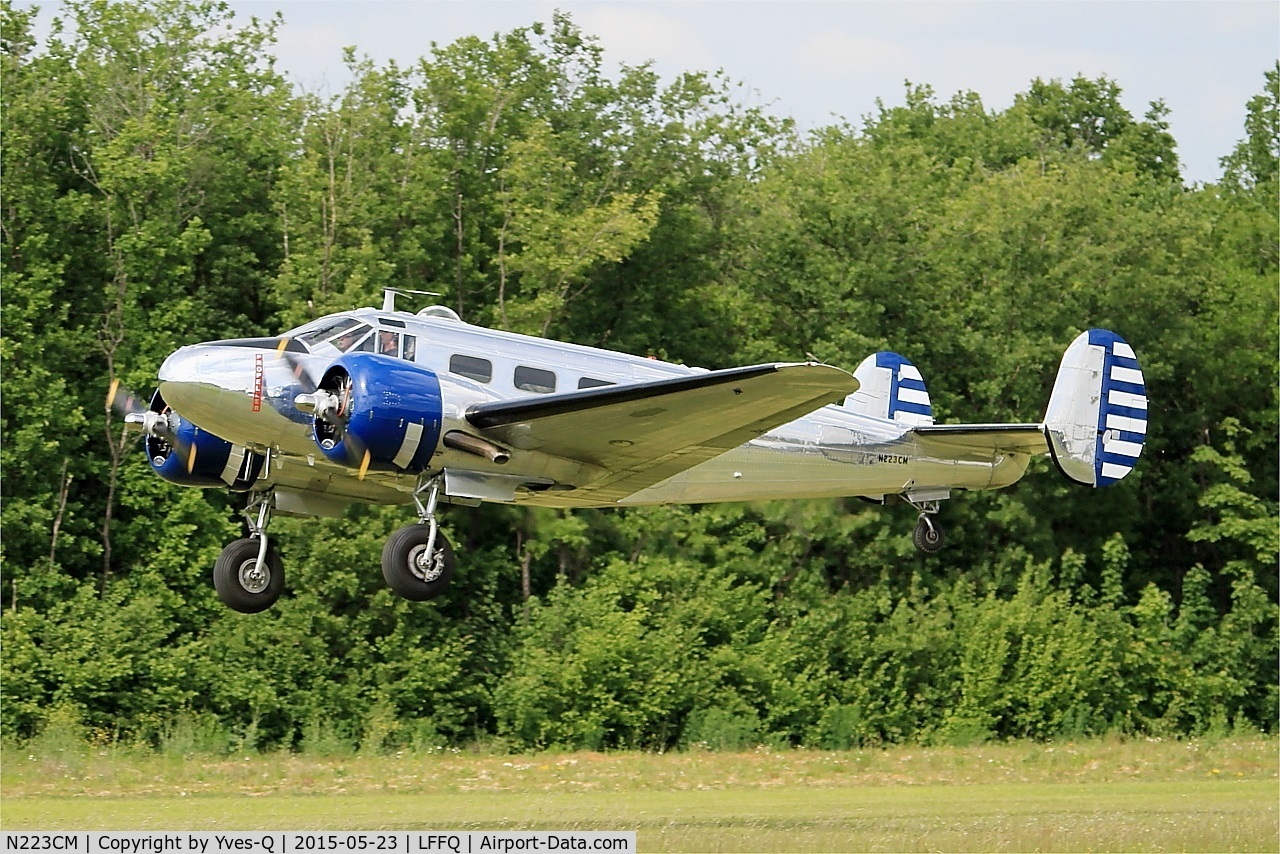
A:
x: 1097, y: 417
x: 1122, y: 417
x: 891, y: 387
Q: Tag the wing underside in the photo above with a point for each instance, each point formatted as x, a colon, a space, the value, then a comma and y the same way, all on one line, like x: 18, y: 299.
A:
x: 634, y: 436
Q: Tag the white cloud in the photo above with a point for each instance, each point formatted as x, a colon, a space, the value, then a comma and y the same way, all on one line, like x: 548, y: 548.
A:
x: 1230, y: 18
x: 311, y: 56
x: 838, y: 53
x: 633, y: 34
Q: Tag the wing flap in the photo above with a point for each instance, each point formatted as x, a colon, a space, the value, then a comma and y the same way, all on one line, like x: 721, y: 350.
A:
x: 644, y: 433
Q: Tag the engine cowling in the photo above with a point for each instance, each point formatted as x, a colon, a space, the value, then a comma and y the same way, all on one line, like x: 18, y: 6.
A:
x: 182, y: 453
x: 374, y: 411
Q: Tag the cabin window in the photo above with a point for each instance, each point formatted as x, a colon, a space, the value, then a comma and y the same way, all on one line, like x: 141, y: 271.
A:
x: 535, y: 379
x: 471, y: 367
x: 389, y: 343
x: 588, y: 382
x: 410, y: 348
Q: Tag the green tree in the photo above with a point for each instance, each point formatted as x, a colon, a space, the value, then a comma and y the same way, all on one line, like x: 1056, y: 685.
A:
x: 137, y: 218
x: 563, y: 226
x: 1255, y: 162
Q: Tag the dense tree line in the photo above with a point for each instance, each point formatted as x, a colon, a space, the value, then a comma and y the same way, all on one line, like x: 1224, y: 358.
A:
x: 163, y: 184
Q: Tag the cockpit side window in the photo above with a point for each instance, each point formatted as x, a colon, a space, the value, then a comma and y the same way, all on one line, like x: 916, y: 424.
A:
x: 349, y: 337
x: 328, y: 330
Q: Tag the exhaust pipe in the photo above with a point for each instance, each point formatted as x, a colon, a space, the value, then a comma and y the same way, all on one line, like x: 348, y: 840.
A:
x: 459, y: 441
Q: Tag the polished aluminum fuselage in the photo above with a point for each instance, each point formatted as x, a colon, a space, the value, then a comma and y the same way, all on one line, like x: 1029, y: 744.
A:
x: 245, y: 395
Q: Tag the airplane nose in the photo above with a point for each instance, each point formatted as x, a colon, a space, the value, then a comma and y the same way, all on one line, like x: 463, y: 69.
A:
x: 241, y: 390
x: 183, y: 365
x: 208, y: 382
x: 234, y: 365
x: 213, y: 364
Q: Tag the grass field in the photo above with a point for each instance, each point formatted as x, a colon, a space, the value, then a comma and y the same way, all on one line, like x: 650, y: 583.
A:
x: 1095, y: 796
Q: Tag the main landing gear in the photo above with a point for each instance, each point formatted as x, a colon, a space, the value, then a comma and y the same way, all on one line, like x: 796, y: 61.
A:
x: 248, y: 575
x: 927, y: 536
x: 418, y: 562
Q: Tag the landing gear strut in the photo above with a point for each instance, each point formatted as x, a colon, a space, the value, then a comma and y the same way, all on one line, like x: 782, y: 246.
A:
x: 248, y: 575
x: 927, y: 536
x: 417, y: 561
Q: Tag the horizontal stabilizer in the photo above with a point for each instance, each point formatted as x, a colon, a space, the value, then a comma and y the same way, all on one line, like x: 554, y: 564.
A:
x: 1028, y: 439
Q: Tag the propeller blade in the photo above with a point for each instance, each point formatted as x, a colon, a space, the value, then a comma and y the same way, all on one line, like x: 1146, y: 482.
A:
x: 301, y: 373
x: 122, y: 401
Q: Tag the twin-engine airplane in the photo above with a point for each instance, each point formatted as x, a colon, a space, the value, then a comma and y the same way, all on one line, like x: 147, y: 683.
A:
x: 388, y: 407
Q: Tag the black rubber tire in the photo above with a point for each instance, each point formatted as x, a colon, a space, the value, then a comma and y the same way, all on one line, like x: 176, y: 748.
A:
x: 401, y: 555
x: 928, y: 538
x: 233, y: 577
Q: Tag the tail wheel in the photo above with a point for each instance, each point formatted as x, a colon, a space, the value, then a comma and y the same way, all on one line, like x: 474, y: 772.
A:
x: 928, y: 536
x: 410, y: 571
x: 241, y: 584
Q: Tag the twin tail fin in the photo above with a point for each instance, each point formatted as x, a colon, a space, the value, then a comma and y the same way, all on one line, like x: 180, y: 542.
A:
x: 1094, y: 428
x: 1096, y: 423
x: 890, y: 387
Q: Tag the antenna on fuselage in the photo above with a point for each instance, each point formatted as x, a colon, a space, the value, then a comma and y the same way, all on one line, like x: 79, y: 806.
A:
x: 389, y: 296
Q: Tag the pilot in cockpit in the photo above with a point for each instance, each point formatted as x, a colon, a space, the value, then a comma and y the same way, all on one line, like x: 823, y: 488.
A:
x: 344, y: 342
x: 387, y: 344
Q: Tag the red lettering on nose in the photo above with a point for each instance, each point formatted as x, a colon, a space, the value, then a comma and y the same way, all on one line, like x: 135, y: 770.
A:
x: 257, y: 382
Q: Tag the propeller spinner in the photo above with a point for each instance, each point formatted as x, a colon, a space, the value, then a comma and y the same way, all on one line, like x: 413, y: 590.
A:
x: 161, y: 424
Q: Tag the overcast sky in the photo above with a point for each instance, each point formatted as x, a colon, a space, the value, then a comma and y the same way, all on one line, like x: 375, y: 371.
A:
x: 821, y: 61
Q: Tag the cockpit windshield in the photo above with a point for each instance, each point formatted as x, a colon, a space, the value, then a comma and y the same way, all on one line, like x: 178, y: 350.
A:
x: 347, y: 334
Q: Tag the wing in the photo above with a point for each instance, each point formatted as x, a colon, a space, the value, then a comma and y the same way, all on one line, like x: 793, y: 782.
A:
x: 644, y: 433
x: 1028, y: 439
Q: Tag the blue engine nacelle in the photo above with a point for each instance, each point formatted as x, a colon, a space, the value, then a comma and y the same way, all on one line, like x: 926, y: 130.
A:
x: 388, y: 415
x: 189, y: 456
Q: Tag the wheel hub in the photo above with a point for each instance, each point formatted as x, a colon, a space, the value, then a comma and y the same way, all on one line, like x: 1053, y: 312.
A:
x: 426, y: 568
x: 252, y: 578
